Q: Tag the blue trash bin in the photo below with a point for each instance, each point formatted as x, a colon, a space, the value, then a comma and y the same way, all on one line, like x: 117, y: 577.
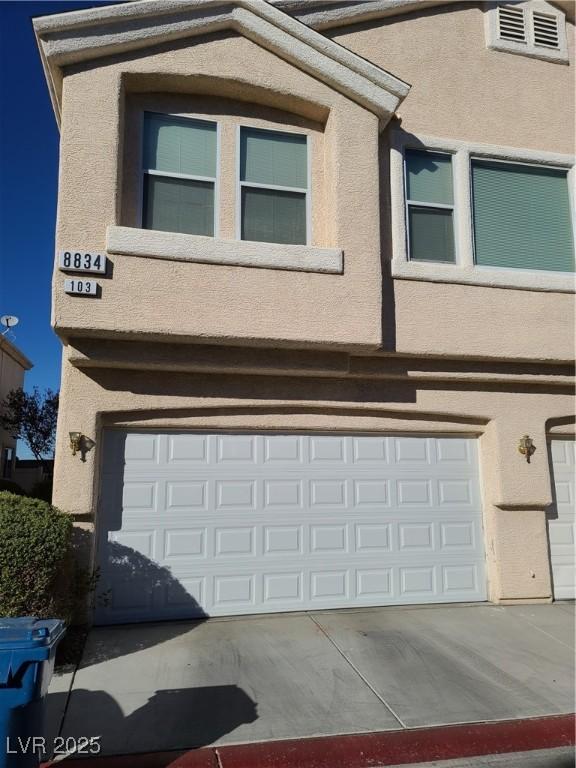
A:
x: 27, y: 650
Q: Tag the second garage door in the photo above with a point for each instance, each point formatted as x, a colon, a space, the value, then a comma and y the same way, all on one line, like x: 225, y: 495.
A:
x: 562, y: 519
x: 195, y: 524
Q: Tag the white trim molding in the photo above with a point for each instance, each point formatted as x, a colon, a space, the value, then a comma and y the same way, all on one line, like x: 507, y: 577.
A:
x: 527, y: 14
x: 464, y: 270
x: 172, y: 246
x: 523, y: 280
x: 87, y: 35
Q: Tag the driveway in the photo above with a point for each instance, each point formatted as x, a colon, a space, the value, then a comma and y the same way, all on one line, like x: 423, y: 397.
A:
x: 180, y: 685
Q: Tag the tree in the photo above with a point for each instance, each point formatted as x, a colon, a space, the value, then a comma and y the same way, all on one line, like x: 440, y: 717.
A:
x: 31, y: 417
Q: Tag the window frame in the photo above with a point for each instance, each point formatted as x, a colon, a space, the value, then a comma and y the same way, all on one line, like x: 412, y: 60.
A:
x: 465, y: 270
x: 175, y: 175
x: 436, y: 206
x: 274, y: 187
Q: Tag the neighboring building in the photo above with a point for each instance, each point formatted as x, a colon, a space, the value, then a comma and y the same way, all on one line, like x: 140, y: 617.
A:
x: 29, y: 472
x: 13, y: 366
x: 335, y: 303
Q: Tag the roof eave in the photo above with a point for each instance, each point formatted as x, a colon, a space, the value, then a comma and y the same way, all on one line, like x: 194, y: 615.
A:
x: 12, y: 351
x: 78, y: 36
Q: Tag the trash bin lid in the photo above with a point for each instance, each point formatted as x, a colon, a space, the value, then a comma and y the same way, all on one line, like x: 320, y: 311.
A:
x: 29, y: 632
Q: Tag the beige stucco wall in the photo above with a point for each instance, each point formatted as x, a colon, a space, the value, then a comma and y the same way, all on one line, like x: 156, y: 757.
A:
x: 460, y: 89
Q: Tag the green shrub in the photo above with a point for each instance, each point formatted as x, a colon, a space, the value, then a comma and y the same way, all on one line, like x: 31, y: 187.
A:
x: 10, y: 485
x: 42, y: 490
x: 37, y: 570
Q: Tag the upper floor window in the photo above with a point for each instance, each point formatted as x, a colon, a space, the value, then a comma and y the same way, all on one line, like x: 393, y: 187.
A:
x: 179, y: 169
x: 522, y: 217
x: 430, y: 206
x: 518, y: 215
x: 533, y: 28
x: 180, y: 173
x: 273, y: 186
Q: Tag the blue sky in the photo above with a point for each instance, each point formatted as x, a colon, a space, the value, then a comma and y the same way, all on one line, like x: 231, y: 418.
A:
x: 28, y: 187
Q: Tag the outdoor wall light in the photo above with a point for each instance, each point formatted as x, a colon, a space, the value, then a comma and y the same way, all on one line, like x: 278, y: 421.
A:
x: 81, y: 444
x: 75, y: 438
x: 526, y: 447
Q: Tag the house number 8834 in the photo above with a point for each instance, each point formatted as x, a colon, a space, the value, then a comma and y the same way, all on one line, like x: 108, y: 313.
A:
x: 82, y: 261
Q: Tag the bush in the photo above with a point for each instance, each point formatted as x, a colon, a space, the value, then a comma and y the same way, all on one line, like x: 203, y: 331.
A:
x: 37, y: 570
x: 42, y: 490
x: 10, y: 485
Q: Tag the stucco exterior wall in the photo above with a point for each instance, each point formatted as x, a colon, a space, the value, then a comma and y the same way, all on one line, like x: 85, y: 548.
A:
x: 460, y: 89
x: 496, y: 322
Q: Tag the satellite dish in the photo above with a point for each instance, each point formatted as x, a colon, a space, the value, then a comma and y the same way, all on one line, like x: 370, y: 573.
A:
x: 9, y: 321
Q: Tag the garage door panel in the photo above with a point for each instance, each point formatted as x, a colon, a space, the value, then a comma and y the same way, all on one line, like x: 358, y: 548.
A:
x: 187, y: 448
x: 279, y: 494
x: 562, y: 519
x: 185, y: 543
x: 186, y: 495
x: 234, y: 591
x: 362, y: 540
x: 229, y: 524
x: 409, y: 454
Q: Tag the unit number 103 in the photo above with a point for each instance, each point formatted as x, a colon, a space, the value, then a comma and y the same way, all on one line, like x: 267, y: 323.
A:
x: 80, y: 261
x: 81, y: 287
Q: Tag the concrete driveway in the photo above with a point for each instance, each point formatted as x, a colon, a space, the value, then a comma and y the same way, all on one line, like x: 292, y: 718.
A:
x: 180, y: 685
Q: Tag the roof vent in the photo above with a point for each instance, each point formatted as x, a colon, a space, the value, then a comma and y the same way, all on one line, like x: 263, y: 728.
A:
x: 546, y: 30
x: 533, y: 28
x: 511, y: 24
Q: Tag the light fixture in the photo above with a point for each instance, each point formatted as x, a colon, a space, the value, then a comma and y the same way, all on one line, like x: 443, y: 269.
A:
x: 526, y: 447
x: 75, y: 439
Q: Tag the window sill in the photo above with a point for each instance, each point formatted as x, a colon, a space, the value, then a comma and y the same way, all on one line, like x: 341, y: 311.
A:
x: 174, y: 246
x: 557, y: 282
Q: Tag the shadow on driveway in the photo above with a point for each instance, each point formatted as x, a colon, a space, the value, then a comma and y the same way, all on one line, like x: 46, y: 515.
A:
x: 185, y: 718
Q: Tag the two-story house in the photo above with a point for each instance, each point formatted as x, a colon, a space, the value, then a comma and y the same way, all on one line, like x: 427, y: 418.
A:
x: 330, y: 361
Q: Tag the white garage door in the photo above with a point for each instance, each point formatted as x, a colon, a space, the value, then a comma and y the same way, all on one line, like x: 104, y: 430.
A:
x: 562, y: 520
x: 215, y: 524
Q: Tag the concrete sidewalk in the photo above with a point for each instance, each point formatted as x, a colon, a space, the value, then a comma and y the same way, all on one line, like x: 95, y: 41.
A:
x: 538, y: 758
x: 182, y: 685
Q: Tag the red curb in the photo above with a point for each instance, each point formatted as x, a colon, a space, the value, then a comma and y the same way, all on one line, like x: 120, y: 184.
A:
x: 366, y: 750
x: 402, y: 747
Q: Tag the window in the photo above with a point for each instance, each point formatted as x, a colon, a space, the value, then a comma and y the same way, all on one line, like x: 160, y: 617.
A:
x: 476, y: 215
x: 274, y: 195
x: 521, y: 217
x: 533, y: 28
x: 430, y: 206
x: 179, y: 166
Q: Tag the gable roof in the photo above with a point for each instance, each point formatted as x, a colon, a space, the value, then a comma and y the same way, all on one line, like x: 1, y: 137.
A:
x: 80, y: 36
